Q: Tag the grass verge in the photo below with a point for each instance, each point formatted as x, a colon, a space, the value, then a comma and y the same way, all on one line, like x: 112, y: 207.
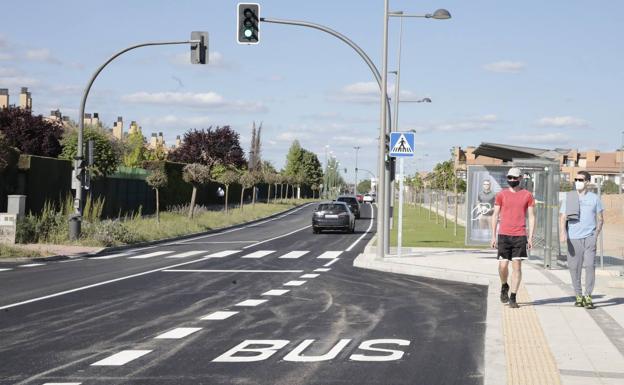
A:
x: 7, y: 251
x: 420, y: 231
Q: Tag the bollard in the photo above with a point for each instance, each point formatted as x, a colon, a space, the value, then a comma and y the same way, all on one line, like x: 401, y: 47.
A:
x: 74, y: 227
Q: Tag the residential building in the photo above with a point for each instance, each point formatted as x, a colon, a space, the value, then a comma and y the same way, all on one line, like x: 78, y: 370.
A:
x: 25, y: 99
x: 4, y: 97
x: 118, y: 128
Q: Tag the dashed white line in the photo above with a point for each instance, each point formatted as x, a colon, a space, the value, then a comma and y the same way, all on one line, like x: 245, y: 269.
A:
x: 150, y: 255
x: 62, y: 383
x: 305, y: 276
x: 187, y: 254
x: 329, y: 255
x: 259, y: 254
x: 276, y: 292
x: 219, y: 315
x: 121, y: 358
x: 222, y: 254
x: 331, y: 262
x: 294, y: 254
x: 322, y: 269
x: 228, y: 271
x: 294, y: 283
x: 5, y: 269
x: 32, y: 265
x: 251, y: 302
x: 111, y: 256
x: 177, y: 333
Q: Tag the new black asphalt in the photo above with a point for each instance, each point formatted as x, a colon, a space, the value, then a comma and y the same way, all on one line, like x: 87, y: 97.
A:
x: 342, y: 326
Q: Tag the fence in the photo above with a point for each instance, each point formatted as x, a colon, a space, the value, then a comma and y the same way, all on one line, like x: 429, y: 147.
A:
x: 48, y: 180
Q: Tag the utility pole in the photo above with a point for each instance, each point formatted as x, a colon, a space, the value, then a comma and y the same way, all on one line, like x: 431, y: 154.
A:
x: 356, y: 148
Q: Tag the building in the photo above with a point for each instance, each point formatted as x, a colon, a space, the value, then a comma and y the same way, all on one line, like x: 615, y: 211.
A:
x: 4, y: 98
x: 604, y: 166
x: 25, y: 99
x: 92, y: 120
x: 118, y: 132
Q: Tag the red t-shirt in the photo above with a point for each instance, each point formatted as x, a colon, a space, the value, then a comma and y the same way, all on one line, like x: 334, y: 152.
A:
x: 513, y: 208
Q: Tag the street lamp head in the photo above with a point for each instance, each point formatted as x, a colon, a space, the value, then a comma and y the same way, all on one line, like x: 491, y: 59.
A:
x: 440, y: 14
x: 426, y: 100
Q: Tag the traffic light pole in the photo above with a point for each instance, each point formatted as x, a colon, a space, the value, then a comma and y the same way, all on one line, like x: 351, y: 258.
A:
x: 386, y: 123
x: 79, y: 159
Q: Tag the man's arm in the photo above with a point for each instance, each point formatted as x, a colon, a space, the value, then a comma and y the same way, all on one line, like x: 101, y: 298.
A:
x: 563, y: 233
x: 531, y: 211
x: 493, y: 225
x: 599, y: 223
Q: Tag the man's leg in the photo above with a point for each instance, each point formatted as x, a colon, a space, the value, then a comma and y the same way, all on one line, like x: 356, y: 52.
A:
x: 575, y: 264
x: 516, y: 276
x: 589, y: 261
x: 503, y: 272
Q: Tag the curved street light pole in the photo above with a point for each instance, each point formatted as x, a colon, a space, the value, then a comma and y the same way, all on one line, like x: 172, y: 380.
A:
x: 74, y: 233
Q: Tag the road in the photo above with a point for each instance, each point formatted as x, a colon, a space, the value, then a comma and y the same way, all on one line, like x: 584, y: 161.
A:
x: 268, y: 303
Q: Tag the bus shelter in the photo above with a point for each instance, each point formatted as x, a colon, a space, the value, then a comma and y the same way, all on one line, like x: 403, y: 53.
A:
x: 541, y: 178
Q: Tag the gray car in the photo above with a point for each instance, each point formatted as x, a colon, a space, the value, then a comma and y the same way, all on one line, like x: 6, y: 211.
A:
x: 333, y: 216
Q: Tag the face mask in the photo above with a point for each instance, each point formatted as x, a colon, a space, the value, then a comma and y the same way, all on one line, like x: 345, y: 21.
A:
x: 579, y: 185
x: 513, y: 183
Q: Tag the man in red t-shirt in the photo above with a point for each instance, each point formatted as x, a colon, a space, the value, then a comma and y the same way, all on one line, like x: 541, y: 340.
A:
x: 512, y: 205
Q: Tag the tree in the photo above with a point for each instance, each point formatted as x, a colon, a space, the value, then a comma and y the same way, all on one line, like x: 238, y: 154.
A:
x: 566, y: 186
x: 5, y: 153
x: 105, y: 156
x: 226, y: 176
x: 311, y: 168
x: 135, y: 152
x: 314, y: 188
x: 196, y: 174
x: 364, y: 186
x: 221, y: 144
x: 294, y: 159
x: 610, y: 187
x: 271, y: 178
x: 157, y: 179
x: 246, y: 181
x: 258, y: 178
x: 255, y: 160
x: 30, y: 134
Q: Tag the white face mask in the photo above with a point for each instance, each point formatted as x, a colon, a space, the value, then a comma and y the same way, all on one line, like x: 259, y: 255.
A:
x: 579, y: 185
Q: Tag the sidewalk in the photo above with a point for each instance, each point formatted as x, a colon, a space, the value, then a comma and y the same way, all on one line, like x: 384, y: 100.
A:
x: 546, y: 341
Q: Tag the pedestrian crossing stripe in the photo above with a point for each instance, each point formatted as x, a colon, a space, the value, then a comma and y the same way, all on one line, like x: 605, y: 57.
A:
x: 401, y: 144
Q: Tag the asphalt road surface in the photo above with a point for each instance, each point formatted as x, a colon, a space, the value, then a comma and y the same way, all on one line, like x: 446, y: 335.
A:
x: 268, y: 303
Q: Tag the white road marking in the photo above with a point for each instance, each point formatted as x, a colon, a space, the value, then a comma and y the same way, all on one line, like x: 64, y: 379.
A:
x: 276, y: 292
x: 331, y: 262
x: 294, y: 254
x: 309, y: 276
x: 222, y: 254
x: 121, y: 358
x: 322, y: 269
x: 32, y: 265
x: 329, y: 255
x: 366, y: 232
x: 71, y: 260
x: 62, y: 383
x: 5, y: 269
x: 111, y: 256
x: 242, y: 227
x: 251, y: 302
x: 99, y: 284
x: 294, y: 283
x: 150, y: 255
x: 214, y: 242
x: 228, y: 271
x: 219, y: 315
x: 280, y: 236
x: 178, y: 333
x: 187, y: 254
x: 259, y: 254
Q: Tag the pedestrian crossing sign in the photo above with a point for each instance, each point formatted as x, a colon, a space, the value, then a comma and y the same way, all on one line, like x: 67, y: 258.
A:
x: 401, y: 144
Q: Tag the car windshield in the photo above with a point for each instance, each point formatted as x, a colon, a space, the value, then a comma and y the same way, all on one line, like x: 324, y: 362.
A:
x: 332, y: 207
x: 347, y: 200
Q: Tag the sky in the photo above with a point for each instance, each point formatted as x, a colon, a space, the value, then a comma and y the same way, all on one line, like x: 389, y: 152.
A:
x: 531, y: 73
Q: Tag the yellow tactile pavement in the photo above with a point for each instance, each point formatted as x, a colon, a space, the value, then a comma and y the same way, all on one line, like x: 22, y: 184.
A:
x: 529, y: 359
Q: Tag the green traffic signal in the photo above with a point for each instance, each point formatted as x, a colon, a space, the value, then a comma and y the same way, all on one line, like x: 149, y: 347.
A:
x: 248, y: 19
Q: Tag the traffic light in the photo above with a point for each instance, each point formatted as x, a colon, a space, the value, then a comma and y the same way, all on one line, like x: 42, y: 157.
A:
x: 248, y: 20
x: 199, y: 50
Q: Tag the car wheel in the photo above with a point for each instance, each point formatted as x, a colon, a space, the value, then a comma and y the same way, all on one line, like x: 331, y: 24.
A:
x: 357, y: 216
x: 315, y: 230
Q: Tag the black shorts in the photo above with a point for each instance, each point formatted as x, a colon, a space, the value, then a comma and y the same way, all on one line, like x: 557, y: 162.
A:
x: 512, y: 247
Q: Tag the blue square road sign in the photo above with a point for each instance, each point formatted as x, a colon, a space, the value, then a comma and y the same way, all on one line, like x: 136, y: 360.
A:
x: 401, y: 144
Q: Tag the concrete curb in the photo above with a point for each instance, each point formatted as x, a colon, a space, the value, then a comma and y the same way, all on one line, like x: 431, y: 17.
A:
x: 54, y: 258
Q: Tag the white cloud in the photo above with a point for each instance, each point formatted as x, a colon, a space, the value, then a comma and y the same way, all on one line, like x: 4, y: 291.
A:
x: 367, y: 92
x: 18, y: 81
x: 43, y: 55
x: 552, y: 138
x: 505, y: 66
x: 562, y: 121
x: 479, y: 123
x: 189, y: 99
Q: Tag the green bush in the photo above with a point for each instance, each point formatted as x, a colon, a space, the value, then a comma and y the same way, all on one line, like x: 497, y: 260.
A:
x: 610, y: 187
x: 110, y: 233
